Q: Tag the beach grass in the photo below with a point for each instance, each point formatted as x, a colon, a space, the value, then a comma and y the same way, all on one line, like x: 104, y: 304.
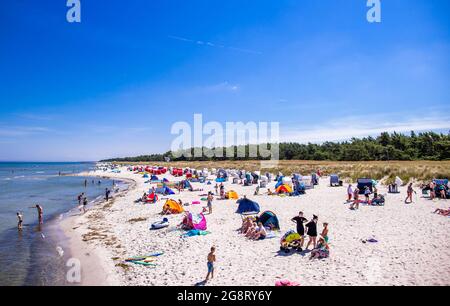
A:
x: 419, y: 171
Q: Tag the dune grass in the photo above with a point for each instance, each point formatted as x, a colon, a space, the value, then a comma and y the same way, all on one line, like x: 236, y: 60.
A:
x: 419, y: 171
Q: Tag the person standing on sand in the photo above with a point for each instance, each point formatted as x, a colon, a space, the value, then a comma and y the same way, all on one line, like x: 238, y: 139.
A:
x: 410, y: 192
x: 312, y: 231
x: 211, y: 261
x: 349, y: 193
x: 85, y: 203
x: 107, y: 193
x: 210, y: 199
x: 355, y: 204
x: 300, y: 227
x: 85, y: 183
x: 325, y: 232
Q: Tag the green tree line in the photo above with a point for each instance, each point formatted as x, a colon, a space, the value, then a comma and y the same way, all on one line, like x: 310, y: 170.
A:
x: 387, y: 146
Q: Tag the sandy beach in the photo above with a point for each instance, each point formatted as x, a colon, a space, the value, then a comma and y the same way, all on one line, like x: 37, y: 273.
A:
x: 413, y: 243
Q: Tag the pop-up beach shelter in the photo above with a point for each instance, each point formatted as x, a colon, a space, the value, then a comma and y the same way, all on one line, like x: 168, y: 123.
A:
x: 247, y: 206
x: 232, y: 195
x: 284, y: 189
x: 269, y: 220
x: 173, y: 207
x: 363, y: 183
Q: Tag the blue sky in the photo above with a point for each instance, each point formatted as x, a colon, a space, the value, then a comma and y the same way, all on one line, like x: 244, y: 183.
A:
x: 115, y: 83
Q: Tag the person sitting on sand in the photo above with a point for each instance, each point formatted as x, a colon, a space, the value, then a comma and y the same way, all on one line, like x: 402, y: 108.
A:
x: 251, y: 230
x: 442, y: 192
x: 257, y: 191
x: 322, y: 250
x: 260, y: 232
x: 432, y: 187
x: 246, y: 224
x: 144, y: 197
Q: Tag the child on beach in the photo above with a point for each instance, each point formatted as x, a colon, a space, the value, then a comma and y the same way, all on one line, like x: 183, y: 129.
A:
x: 324, y: 234
x: 260, y: 232
x: 211, y: 261
x: 20, y: 220
x: 355, y: 204
x: 349, y: 193
x: 312, y: 231
x: 367, y: 194
x: 410, y: 192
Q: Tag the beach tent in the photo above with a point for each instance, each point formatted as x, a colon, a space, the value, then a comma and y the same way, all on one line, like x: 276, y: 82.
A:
x: 279, y: 182
x: 232, y: 195
x: 307, y: 181
x: 186, y: 184
x: 363, y: 183
x: 247, y: 206
x: 222, y: 174
x: 334, y: 180
x: 284, y: 189
x: 269, y: 220
x: 173, y: 207
x: 145, y: 175
x: 195, y: 222
x: 154, y: 178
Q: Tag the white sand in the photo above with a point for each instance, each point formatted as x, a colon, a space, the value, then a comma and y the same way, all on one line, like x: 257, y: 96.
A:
x: 413, y: 247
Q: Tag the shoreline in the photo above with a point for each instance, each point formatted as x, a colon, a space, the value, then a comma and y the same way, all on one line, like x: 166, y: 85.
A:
x: 95, y: 269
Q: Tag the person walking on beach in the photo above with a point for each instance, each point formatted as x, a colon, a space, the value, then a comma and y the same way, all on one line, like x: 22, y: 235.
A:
x: 410, y: 192
x: 20, y: 220
x: 85, y: 183
x: 312, y: 231
x: 211, y: 261
x: 80, y: 198
x: 85, y: 203
x: 107, y: 193
x: 300, y: 227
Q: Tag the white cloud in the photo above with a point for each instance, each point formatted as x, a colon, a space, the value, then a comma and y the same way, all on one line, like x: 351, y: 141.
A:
x: 19, y: 131
x: 214, y: 45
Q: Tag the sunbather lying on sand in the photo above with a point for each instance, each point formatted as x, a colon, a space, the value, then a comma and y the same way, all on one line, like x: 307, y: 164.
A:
x: 442, y: 212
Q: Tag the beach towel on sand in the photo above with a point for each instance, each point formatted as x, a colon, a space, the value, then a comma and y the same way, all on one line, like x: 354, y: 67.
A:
x: 193, y: 233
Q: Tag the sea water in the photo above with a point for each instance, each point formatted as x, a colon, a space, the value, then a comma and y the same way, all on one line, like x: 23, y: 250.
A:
x: 37, y: 255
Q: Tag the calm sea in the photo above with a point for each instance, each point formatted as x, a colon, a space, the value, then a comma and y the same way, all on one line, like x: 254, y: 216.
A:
x: 37, y: 255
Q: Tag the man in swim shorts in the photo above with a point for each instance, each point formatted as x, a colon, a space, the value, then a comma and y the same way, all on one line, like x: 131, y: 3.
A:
x: 211, y: 260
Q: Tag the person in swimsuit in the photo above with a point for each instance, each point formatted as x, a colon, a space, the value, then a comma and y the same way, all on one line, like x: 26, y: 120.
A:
x: 325, y: 232
x: 40, y: 213
x: 355, y: 204
x: 209, y: 205
x: 410, y: 192
x: 349, y: 193
x: 367, y: 194
x: 20, y: 221
x: 312, y: 231
x: 211, y: 261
